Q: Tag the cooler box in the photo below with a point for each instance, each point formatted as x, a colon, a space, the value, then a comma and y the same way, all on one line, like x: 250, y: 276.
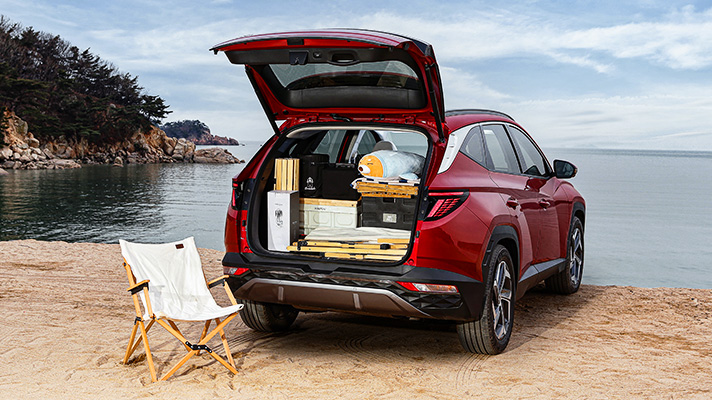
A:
x: 317, y: 213
x: 388, y: 212
x: 283, y: 219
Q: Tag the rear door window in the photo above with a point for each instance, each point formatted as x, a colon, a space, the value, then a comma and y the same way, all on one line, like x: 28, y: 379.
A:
x: 501, y: 157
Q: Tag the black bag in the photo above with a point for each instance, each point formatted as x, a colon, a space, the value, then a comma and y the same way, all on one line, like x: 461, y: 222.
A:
x: 310, y: 174
x: 337, y: 180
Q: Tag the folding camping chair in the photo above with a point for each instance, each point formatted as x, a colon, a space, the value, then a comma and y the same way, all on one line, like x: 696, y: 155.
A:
x: 169, y: 280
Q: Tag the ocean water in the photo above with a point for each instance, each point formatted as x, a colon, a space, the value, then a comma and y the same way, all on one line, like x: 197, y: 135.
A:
x: 649, y: 214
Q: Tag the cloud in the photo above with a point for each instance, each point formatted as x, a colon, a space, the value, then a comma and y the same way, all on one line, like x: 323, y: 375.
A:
x: 657, y: 119
x: 680, y: 40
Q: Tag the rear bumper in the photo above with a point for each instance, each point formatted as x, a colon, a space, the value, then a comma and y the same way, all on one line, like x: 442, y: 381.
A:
x: 363, y: 292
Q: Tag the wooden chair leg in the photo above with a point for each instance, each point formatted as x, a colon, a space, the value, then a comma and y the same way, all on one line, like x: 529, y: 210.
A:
x: 171, y: 327
x: 205, y: 331
x: 223, y: 362
x: 149, y: 357
x: 130, y: 347
x: 180, y: 364
x: 138, y: 341
x: 225, y: 345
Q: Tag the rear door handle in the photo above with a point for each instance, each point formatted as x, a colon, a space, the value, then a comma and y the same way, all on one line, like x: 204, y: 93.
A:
x: 512, y: 202
x: 544, y: 203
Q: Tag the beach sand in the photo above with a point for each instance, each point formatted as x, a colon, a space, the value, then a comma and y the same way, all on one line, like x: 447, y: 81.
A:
x: 66, y: 318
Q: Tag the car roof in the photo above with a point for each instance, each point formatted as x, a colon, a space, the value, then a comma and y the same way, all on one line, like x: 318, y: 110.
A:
x: 456, y: 119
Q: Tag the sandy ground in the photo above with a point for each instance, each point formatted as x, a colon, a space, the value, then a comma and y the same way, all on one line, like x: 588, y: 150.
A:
x: 66, y: 317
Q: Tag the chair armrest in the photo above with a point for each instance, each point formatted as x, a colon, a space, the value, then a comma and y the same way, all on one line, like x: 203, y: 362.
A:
x: 138, y: 287
x: 222, y: 280
x: 217, y: 281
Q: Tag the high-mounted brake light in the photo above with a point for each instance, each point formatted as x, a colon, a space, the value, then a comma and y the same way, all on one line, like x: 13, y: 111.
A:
x: 443, y: 203
x: 429, y: 287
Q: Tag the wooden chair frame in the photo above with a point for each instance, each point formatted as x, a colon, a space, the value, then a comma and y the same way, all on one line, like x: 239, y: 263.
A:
x: 170, y: 325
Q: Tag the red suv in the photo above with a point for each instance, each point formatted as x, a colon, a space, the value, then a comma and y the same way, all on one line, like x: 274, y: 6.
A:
x: 481, y: 218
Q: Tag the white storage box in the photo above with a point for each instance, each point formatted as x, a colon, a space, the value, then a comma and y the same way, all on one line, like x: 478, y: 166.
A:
x: 318, y: 213
x: 283, y: 216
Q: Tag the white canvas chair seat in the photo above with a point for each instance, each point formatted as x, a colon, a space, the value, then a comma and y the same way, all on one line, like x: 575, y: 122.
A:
x: 168, y: 278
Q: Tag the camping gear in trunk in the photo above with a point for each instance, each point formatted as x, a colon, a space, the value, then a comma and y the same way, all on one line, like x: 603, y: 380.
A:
x: 310, y: 174
x: 283, y: 216
x: 391, y: 164
x: 286, y: 174
x: 388, y: 212
x: 337, y: 180
x: 316, y: 213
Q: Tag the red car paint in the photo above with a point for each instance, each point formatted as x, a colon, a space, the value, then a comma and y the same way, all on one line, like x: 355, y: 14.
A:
x: 528, y: 213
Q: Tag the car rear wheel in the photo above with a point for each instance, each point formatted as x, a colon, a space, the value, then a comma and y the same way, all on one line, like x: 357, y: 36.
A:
x: 490, y: 334
x: 569, y: 280
x: 266, y: 317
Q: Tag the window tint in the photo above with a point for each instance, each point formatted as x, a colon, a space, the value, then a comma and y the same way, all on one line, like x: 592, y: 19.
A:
x: 331, y: 144
x: 474, y: 147
x: 533, y: 163
x: 499, y: 149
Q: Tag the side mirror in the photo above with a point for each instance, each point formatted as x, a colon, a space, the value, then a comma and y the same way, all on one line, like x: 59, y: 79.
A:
x: 564, y: 169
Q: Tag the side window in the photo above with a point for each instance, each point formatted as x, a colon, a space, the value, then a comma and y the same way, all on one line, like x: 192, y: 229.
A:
x: 499, y: 149
x: 533, y: 163
x: 474, y: 146
x: 331, y: 144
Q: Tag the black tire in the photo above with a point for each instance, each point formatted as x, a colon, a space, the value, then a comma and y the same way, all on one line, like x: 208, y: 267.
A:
x: 490, y: 334
x: 569, y: 280
x: 266, y: 317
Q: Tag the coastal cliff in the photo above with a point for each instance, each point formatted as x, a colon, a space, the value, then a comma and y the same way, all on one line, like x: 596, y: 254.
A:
x: 20, y: 149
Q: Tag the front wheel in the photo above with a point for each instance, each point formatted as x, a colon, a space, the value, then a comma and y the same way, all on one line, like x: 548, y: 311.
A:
x: 267, y: 317
x: 569, y: 280
x: 490, y: 334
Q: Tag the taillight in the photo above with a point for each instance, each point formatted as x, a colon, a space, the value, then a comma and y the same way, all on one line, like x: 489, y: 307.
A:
x: 429, y: 287
x: 443, y: 203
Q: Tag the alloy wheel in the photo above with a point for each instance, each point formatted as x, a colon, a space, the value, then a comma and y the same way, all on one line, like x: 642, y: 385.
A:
x: 576, y: 256
x: 502, y: 299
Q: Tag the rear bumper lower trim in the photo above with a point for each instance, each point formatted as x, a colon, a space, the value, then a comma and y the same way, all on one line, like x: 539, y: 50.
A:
x: 320, y: 296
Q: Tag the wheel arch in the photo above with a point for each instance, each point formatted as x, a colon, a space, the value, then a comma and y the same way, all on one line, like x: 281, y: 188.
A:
x: 507, y: 236
x: 578, y: 210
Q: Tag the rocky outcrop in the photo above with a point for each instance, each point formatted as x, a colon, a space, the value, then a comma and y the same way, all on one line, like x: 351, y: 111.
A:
x: 214, y: 155
x: 196, y: 132
x: 24, y: 151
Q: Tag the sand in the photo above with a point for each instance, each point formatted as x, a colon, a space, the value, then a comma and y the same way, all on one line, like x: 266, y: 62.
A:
x: 66, y: 318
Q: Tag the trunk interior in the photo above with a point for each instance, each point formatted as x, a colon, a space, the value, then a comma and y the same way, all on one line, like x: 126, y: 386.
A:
x: 346, y: 193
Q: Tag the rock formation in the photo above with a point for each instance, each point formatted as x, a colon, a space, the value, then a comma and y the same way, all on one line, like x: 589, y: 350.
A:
x: 22, y: 150
x: 196, y: 132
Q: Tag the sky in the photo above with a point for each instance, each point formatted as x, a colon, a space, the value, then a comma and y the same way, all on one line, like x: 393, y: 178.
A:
x: 575, y: 74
